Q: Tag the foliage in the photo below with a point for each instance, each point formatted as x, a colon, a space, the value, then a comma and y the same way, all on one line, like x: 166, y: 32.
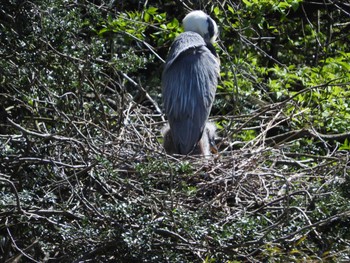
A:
x: 83, y: 175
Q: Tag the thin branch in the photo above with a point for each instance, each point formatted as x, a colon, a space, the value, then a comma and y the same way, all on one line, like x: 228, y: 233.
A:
x: 14, y: 189
x: 43, y: 135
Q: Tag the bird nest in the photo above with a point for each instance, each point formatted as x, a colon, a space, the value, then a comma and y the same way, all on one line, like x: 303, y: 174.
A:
x: 104, y: 189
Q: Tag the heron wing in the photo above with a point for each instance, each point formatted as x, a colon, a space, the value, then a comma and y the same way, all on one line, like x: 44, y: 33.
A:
x: 189, y: 83
x: 182, y: 43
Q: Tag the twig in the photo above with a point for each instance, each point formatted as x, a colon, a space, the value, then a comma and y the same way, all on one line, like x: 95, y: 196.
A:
x: 43, y: 135
x: 14, y: 189
x: 15, y: 244
x: 155, y: 104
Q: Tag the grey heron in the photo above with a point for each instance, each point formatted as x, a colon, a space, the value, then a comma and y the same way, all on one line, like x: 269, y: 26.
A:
x: 205, y: 147
x: 189, y: 81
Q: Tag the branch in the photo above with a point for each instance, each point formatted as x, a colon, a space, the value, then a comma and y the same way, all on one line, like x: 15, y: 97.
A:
x: 297, y: 134
x: 155, y: 104
x: 18, y: 203
x: 42, y: 135
x: 171, y: 234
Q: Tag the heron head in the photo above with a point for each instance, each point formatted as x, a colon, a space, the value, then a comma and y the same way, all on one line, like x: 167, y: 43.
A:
x: 199, y: 22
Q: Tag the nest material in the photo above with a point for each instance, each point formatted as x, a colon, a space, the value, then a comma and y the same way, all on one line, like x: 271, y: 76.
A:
x: 102, y: 189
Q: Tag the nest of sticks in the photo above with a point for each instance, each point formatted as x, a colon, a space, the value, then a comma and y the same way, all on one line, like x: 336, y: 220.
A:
x: 102, y: 187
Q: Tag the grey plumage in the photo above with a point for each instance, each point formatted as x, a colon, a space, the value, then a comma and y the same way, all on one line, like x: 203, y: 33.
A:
x: 189, y: 83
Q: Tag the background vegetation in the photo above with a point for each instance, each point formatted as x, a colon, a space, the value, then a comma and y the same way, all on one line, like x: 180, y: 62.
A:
x: 83, y: 175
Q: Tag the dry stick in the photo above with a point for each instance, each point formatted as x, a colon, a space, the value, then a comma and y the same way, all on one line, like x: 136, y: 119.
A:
x: 18, y: 203
x: 15, y: 244
x: 35, y: 212
x: 168, y: 233
x: 264, y: 110
x: 302, y: 132
x: 328, y: 220
x: 146, y: 44
x: 124, y: 75
x: 94, y: 148
x: 247, y: 41
x: 297, y: 134
x: 47, y: 136
x: 62, y: 54
x: 324, y: 85
x: 50, y: 161
x: 345, y: 214
x: 155, y: 104
x: 270, y: 125
x: 288, y: 136
x: 45, y: 213
x: 43, y: 135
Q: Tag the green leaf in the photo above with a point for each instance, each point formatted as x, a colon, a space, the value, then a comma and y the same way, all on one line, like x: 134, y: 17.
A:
x: 216, y: 11
x: 152, y: 10
x: 230, y: 8
x: 345, y: 145
x: 146, y: 17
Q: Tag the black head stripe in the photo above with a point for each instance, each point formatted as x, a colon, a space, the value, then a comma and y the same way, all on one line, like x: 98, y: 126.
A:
x: 210, y: 27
